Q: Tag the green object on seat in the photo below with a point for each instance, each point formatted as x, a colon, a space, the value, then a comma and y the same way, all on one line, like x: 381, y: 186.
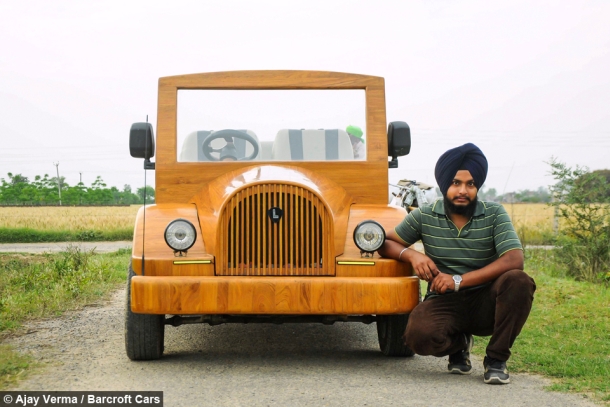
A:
x: 354, y: 131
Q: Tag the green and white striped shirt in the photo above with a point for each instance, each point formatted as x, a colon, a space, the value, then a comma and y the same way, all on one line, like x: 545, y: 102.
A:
x: 487, y: 236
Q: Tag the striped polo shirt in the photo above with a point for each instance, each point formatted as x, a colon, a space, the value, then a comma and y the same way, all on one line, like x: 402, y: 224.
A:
x: 487, y: 236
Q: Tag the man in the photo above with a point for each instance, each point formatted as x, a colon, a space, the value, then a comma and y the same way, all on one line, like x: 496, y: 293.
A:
x: 474, y: 269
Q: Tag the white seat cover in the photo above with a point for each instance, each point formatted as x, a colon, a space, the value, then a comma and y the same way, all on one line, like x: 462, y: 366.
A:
x: 312, y: 145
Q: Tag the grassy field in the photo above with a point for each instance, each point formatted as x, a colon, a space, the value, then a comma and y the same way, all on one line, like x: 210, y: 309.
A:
x: 534, y: 223
x: 38, y: 286
x: 68, y: 223
x: 567, y: 336
x: 75, y: 218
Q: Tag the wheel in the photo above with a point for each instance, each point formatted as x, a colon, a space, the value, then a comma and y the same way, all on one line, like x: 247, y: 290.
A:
x: 229, y: 149
x: 144, y: 333
x: 390, y: 329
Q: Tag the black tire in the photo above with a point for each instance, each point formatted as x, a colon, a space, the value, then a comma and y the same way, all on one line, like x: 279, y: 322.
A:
x: 390, y: 329
x: 144, y: 333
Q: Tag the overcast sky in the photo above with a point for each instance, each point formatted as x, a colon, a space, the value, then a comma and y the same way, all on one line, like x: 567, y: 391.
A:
x: 524, y: 80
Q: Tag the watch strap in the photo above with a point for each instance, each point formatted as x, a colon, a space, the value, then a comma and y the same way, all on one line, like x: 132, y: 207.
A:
x: 457, y: 280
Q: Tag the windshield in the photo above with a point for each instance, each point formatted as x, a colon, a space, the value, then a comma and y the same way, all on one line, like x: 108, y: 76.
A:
x: 271, y: 125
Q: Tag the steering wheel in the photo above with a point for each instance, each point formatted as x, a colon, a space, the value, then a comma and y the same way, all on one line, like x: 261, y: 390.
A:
x: 229, y: 148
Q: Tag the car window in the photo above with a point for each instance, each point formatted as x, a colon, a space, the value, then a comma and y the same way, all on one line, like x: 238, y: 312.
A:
x: 271, y: 125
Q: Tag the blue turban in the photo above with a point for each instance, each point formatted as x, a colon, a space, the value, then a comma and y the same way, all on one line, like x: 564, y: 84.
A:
x: 467, y: 157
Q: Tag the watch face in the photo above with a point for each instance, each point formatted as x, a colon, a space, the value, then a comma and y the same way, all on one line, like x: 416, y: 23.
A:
x: 457, y: 279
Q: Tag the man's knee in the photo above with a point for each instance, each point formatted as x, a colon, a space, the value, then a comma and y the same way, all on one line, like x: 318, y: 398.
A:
x: 518, y: 283
x: 425, y: 341
x: 423, y: 336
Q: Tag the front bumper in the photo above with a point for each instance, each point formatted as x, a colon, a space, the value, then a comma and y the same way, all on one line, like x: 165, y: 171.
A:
x: 274, y: 295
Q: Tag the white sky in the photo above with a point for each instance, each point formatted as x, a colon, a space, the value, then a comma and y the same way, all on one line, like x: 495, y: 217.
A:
x: 524, y: 80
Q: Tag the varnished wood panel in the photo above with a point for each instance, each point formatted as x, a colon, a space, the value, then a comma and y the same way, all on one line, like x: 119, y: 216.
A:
x: 382, y: 268
x: 274, y: 295
x: 386, y: 215
x: 179, y: 182
x: 213, y: 197
x: 158, y: 256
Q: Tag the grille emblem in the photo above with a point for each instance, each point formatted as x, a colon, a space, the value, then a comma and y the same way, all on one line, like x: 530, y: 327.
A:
x: 275, y: 214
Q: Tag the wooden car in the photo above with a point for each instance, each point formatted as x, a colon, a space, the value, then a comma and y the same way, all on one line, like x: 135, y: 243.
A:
x: 271, y: 201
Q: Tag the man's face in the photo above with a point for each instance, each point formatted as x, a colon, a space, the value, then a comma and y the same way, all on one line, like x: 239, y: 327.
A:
x: 462, y: 190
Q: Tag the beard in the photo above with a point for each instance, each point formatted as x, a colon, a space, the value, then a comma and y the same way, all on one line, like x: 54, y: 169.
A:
x: 467, y: 211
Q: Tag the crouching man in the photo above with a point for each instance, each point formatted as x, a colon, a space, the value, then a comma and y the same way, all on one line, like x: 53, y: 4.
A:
x: 474, y: 269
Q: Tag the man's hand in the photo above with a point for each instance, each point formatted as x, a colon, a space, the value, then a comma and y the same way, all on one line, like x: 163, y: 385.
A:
x: 441, y: 283
x: 423, y: 265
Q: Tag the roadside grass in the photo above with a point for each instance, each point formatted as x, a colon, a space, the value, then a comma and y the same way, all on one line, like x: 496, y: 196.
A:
x: 25, y: 235
x: 40, y: 286
x: 13, y: 366
x: 66, y: 224
x: 567, y: 336
x: 538, y: 234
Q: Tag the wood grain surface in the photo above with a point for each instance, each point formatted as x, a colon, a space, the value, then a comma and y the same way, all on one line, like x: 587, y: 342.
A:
x: 274, y: 295
x: 222, y: 272
x: 178, y: 182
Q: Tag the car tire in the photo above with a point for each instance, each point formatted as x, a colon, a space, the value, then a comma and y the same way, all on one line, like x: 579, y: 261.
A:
x: 390, y: 329
x: 144, y: 333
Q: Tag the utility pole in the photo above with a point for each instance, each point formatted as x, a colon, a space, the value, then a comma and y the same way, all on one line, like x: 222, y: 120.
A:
x: 554, y: 198
x: 80, y: 186
x: 58, y: 181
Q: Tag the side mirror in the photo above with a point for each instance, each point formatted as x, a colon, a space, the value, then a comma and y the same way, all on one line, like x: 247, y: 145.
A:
x: 142, y: 143
x: 399, y: 141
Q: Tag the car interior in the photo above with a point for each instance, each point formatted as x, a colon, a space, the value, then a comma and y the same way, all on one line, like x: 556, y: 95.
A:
x: 289, y: 145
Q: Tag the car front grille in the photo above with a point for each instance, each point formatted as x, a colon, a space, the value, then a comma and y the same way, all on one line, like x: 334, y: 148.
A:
x: 253, y: 244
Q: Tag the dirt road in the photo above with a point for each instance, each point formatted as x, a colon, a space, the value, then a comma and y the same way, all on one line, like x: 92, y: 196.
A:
x: 261, y: 365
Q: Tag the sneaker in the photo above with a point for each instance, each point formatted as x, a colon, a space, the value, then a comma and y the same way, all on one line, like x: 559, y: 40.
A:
x: 495, y: 371
x: 459, y: 362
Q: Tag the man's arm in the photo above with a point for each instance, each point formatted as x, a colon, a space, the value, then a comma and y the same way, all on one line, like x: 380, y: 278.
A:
x: 513, y: 259
x: 423, y: 266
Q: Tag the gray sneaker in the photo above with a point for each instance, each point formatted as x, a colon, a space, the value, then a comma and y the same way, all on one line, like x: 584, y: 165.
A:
x: 459, y: 362
x: 495, y: 371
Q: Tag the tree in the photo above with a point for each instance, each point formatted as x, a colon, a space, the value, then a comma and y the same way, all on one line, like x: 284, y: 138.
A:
x: 540, y: 195
x: 15, y: 189
x: 590, y: 184
x: 98, y: 194
x: 18, y: 179
x: 18, y: 190
x: 46, y: 191
x: 150, y: 194
x: 487, y: 195
x: 127, y: 197
x: 582, y: 199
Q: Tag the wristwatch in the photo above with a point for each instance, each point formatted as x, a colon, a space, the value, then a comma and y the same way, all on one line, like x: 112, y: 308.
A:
x: 457, y: 280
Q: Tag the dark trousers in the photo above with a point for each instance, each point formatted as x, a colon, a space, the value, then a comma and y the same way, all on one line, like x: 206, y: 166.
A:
x: 500, y: 309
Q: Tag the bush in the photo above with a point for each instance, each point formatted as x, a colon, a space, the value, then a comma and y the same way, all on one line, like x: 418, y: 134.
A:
x: 582, y: 201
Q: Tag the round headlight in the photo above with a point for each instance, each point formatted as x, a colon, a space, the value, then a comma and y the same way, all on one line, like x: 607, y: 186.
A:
x: 180, y: 235
x: 369, y: 236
